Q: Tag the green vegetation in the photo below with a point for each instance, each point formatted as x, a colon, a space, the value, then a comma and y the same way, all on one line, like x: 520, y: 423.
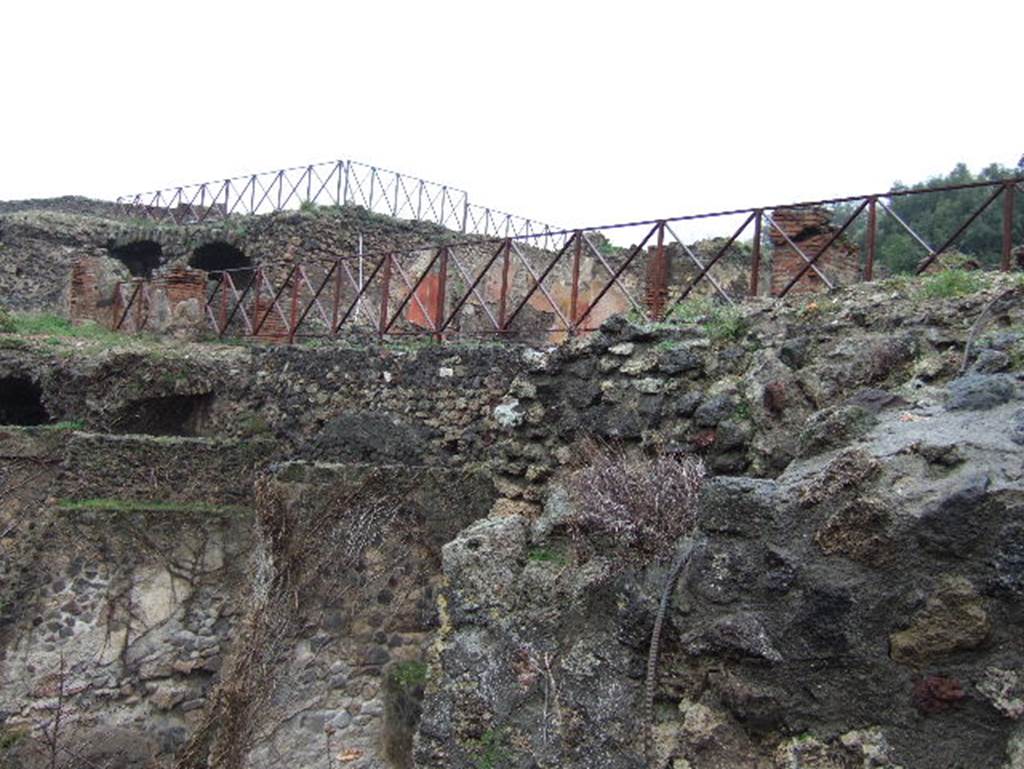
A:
x: 937, y: 216
x: 490, y: 750
x: 951, y: 283
x: 409, y: 675
x: 55, y: 327
x: 721, y: 321
x: 693, y: 310
x: 253, y: 425
x: 403, y: 704
x: 727, y: 323
x: 7, y: 325
x: 11, y: 737
x: 67, y: 424
x: 546, y: 555
x: 143, y: 506
x: 742, y: 411
x: 411, y: 342
x: 603, y: 245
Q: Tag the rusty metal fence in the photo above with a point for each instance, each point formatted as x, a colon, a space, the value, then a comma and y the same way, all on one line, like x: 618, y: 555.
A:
x: 337, y: 183
x: 566, y: 282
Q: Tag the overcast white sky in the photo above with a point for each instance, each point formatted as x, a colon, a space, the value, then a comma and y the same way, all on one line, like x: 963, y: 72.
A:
x: 575, y: 113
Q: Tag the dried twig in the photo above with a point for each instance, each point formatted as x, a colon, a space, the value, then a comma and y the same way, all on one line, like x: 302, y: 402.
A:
x: 644, y: 506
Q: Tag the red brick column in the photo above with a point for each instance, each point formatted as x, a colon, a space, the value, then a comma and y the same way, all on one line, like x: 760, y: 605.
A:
x: 810, y: 229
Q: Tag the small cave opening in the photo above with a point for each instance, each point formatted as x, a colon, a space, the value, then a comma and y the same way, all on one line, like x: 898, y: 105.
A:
x: 180, y: 415
x: 218, y: 256
x: 21, y: 402
x: 141, y: 257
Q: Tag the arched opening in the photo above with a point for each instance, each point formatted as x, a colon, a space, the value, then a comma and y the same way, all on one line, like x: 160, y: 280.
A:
x: 21, y: 402
x: 141, y: 257
x: 166, y: 415
x: 218, y: 256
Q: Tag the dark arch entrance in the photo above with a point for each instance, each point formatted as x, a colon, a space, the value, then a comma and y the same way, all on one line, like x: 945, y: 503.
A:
x: 21, y: 402
x: 218, y: 256
x: 141, y: 257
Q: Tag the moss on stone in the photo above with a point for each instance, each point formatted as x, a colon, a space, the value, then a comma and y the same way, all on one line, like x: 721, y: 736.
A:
x: 144, y: 506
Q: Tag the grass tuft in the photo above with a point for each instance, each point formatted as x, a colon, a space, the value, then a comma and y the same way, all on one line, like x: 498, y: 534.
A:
x: 409, y: 674
x: 46, y: 324
x: 546, y: 555
x: 67, y: 424
x: 951, y: 283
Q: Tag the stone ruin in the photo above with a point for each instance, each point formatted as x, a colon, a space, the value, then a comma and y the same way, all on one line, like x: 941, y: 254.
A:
x: 172, y: 302
x: 809, y: 229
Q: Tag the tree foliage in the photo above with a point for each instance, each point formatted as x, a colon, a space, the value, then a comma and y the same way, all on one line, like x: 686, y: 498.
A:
x: 936, y: 216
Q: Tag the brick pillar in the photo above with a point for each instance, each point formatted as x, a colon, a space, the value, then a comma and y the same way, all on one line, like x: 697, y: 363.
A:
x: 84, y: 296
x: 810, y: 229
x: 657, y: 281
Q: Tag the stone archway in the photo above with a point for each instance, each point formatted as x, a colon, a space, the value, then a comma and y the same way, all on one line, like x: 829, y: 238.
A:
x: 141, y: 257
x: 219, y: 256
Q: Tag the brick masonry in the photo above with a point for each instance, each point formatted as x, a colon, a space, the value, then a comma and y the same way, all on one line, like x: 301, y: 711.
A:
x: 810, y: 229
x: 172, y: 302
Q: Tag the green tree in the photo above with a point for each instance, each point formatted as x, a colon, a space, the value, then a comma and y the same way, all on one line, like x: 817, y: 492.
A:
x: 936, y: 216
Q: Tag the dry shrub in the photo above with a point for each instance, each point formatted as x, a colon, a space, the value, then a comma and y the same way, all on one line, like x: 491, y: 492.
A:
x: 639, y: 504
x: 304, y: 550
x: 642, y: 506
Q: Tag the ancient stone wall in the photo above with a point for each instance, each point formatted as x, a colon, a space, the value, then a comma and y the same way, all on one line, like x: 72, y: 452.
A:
x: 39, y: 240
x: 69, y: 204
x: 419, y: 405
x: 126, y: 599
x: 38, y: 247
x: 173, y: 302
x: 852, y: 591
x: 853, y: 603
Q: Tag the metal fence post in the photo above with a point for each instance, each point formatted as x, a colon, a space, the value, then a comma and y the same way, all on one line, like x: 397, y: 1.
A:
x: 1009, y: 190
x: 336, y: 303
x: 869, y: 265
x: 442, y: 280
x: 293, y: 315
x: 755, y: 266
x: 657, y: 278
x: 503, y: 295
x: 575, y: 289
x: 385, y: 290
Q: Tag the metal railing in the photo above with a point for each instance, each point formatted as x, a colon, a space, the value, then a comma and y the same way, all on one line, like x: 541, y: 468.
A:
x: 337, y: 183
x: 488, y: 286
x: 131, y: 305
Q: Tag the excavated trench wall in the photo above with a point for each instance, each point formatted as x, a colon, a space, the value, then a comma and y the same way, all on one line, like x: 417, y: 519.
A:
x: 136, y: 537
x: 854, y: 603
